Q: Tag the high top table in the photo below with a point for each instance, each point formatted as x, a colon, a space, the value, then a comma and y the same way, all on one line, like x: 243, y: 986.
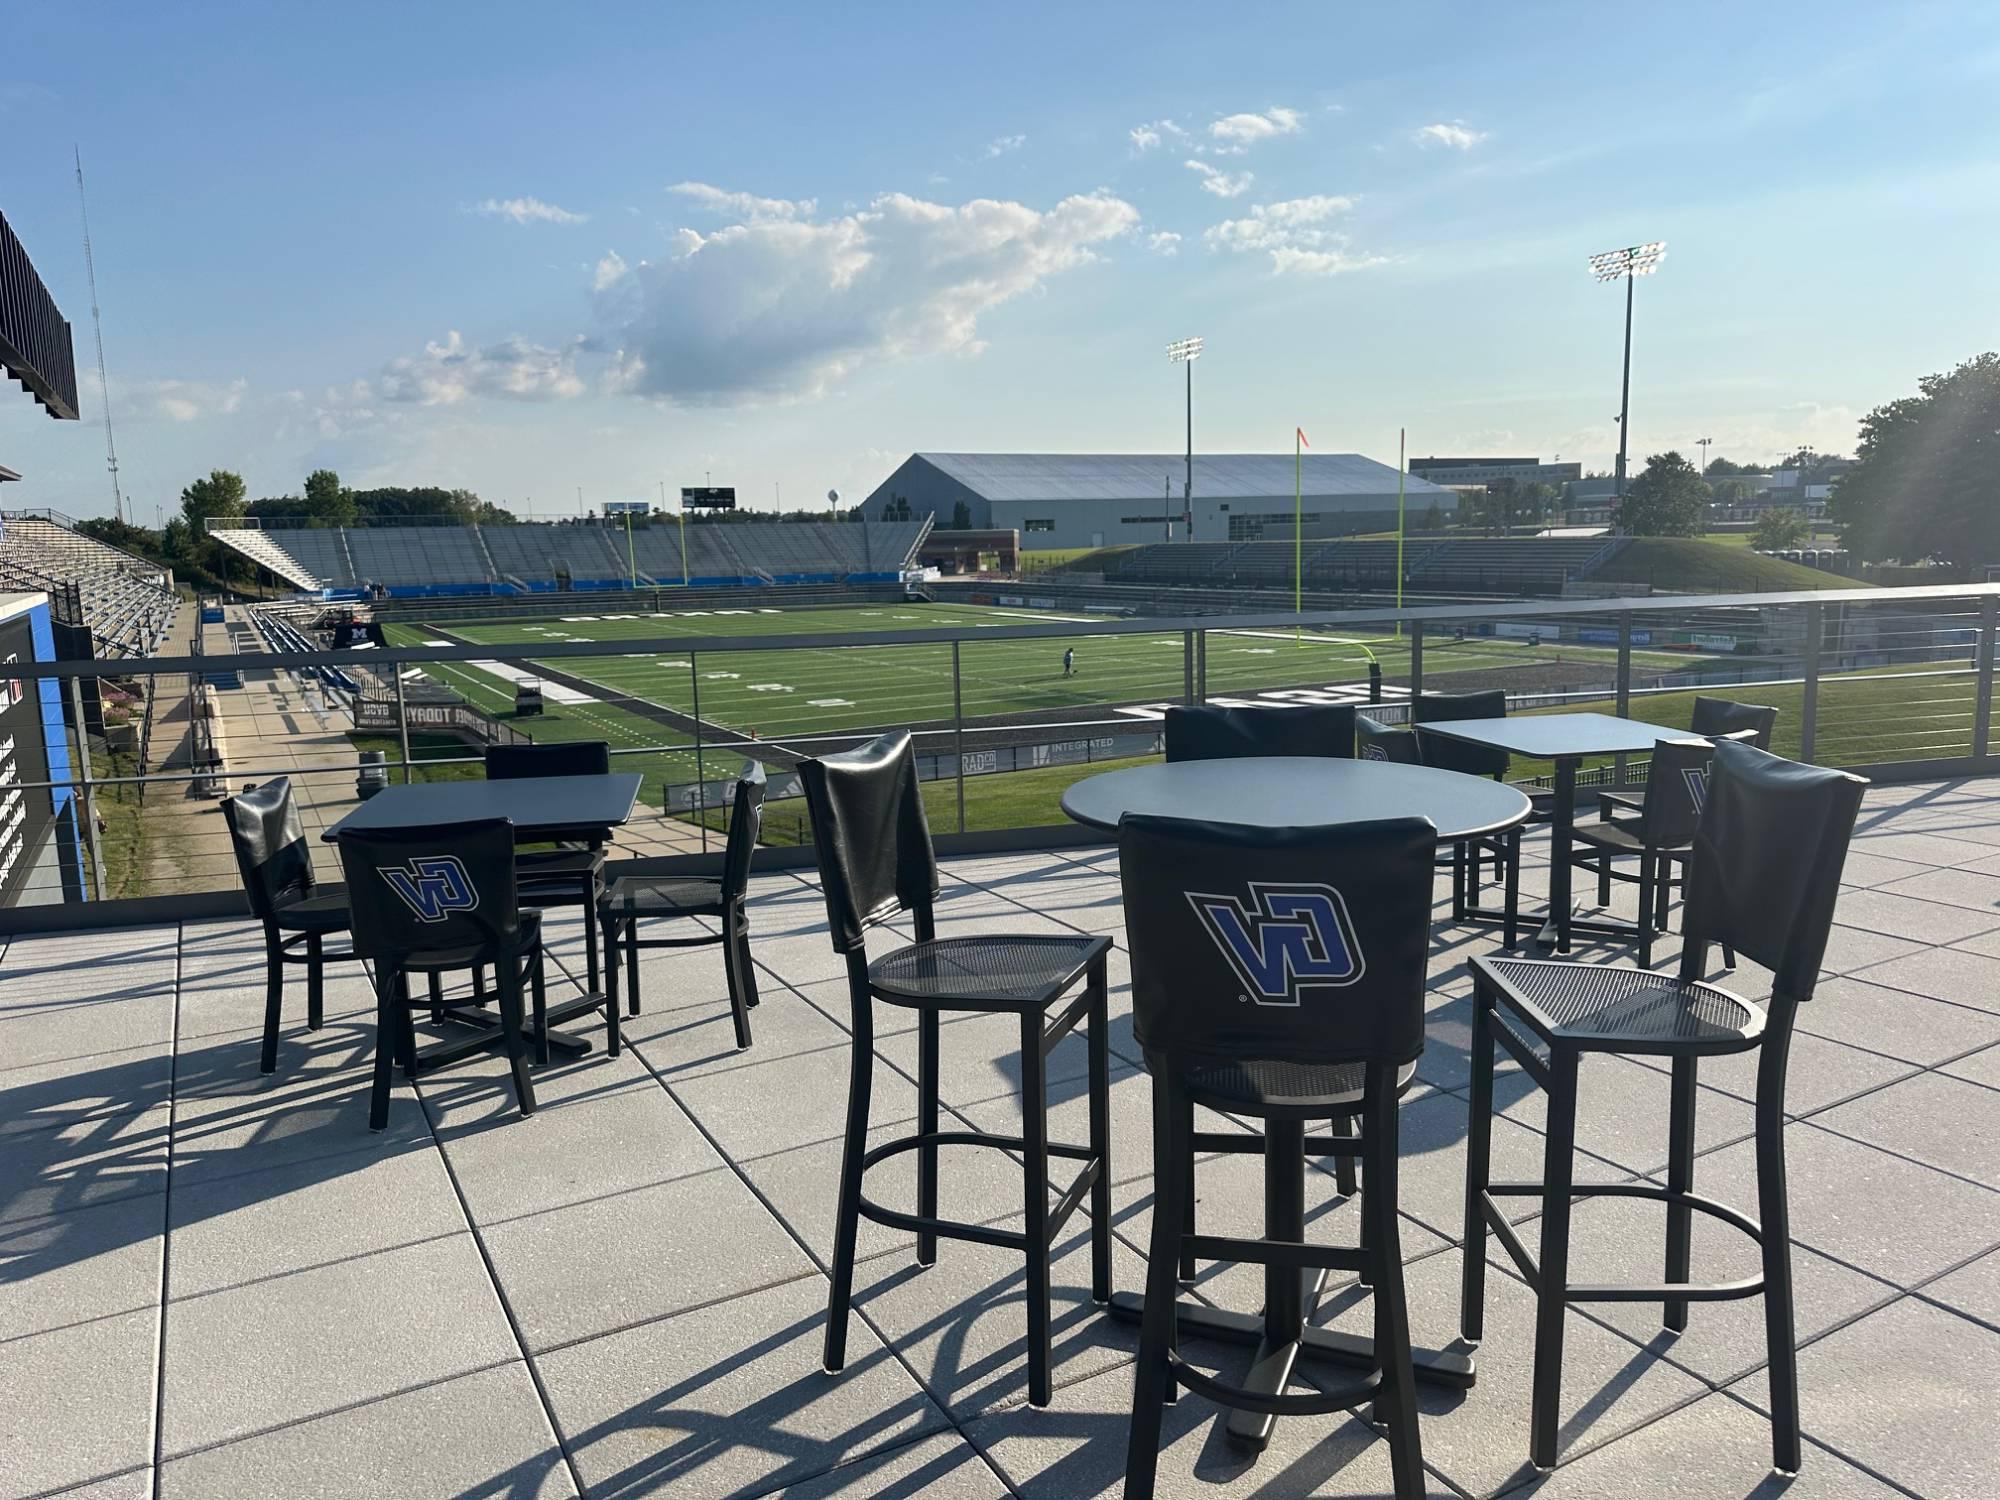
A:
x: 1565, y: 739
x: 1294, y: 792
x: 543, y: 809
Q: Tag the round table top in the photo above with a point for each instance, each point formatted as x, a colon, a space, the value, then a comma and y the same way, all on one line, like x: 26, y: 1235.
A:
x: 1291, y: 791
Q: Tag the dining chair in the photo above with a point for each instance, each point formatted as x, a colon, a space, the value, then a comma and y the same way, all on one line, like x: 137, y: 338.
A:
x: 1712, y: 718
x: 571, y: 873
x: 1214, y: 731
x: 1659, y: 838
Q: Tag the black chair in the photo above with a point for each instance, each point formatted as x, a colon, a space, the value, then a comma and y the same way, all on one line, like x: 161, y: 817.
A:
x: 1763, y: 876
x: 276, y: 865
x: 1278, y: 976
x: 1713, y: 718
x: 632, y: 899
x: 875, y: 861
x: 430, y: 901
x: 1456, y: 755
x: 571, y: 874
x: 1209, y: 731
x: 1658, y: 838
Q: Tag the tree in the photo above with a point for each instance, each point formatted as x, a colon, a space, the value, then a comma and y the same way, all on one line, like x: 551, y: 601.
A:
x: 1926, y: 482
x: 219, y: 497
x: 1668, y: 499
x: 1722, y: 468
x: 1433, y: 519
x: 1778, y: 528
x: 328, y: 501
x: 961, y: 516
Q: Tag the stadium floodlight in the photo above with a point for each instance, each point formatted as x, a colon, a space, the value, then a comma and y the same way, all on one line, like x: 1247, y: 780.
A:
x: 1627, y: 265
x: 1186, y: 352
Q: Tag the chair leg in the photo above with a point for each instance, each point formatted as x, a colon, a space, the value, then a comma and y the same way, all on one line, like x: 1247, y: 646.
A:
x: 479, y: 995
x: 847, y: 1212
x: 735, y: 967
x: 1100, y: 1133
x: 1663, y: 890
x: 509, y: 981
x: 1035, y: 1201
x: 1603, y: 880
x: 1396, y: 1401
x: 591, y: 891
x: 1478, y: 1170
x: 387, y: 1044
x: 614, y: 1039
x: 1558, y: 1163
x: 1512, y: 899
x: 1775, y: 1216
x: 631, y: 966
x: 607, y: 929
x: 1680, y: 1179
x: 406, y: 1023
x: 541, y: 994
x: 1152, y: 1382
x: 1647, y: 865
x: 1343, y: 1166
x: 315, y: 982
x: 1458, y: 882
x: 746, y: 970
x: 927, y: 1124
x: 436, y: 987
x: 1186, y: 1125
x: 274, y: 1002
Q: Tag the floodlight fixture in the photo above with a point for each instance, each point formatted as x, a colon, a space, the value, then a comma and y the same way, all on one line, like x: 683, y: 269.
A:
x: 1633, y: 260
x: 1182, y: 350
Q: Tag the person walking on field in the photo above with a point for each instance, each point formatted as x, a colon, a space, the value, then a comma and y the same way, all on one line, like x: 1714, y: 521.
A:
x: 1069, y: 662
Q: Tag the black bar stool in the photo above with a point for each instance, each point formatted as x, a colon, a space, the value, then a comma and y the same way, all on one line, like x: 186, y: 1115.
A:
x: 875, y: 861
x: 1764, y: 872
x: 276, y: 865
x: 1211, y: 731
x: 632, y: 899
x: 571, y: 874
x: 1658, y: 838
x: 1713, y: 718
x: 430, y: 901
x: 1278, y: 975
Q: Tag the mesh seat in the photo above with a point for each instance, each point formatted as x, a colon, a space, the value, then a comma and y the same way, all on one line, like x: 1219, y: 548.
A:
x: 661, y: 896
x: 1615, y: 834
x: 1271, y: 1084
x: 313, y: 914
x: 1591, y: 1006
x: 985, y: 970
x: 533, y: 863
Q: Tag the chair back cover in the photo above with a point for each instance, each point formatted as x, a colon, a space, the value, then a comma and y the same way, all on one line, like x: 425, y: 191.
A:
x: 1676, y: 789
x: 1456, y: 755
x: 1209, y: 731
x: 450, y: 887
x: 746, y: 817
x: 1765, y: 869
x: 1299, y: 945
x: 869, y: 834
x: 576, y: 758
x: 1718, y: 716
x: 270, y: 843
x: 1378, y: 741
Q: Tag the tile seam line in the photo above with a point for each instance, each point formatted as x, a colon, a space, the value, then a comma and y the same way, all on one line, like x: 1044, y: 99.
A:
x: 167, y: 1229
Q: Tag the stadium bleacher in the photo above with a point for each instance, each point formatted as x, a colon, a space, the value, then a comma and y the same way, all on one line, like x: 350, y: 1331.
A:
x: 127, y: 602
x: 1475, y: 565
x: 539, y: 556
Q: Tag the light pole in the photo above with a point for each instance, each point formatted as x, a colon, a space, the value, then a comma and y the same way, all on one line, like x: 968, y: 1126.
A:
x: 1186, y: 352
x: 1702, y: 443
x: 1627, y: 265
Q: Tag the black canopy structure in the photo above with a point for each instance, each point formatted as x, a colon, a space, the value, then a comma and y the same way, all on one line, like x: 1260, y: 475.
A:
x: 35, y: 346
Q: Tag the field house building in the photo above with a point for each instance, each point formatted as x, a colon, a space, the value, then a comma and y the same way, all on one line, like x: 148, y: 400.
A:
x: 1098, y: 499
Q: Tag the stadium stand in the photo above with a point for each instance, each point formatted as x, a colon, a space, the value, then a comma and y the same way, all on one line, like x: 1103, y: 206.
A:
x: 127, y: 602
x: 1530, y: 565
x: 413, y: 560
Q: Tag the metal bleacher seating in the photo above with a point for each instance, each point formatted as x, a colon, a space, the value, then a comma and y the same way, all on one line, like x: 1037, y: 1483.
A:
x: 1527, y: 565
x: 127, y: 602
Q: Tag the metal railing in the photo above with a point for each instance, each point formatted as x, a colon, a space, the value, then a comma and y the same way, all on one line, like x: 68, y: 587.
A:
x: 1897, y: 683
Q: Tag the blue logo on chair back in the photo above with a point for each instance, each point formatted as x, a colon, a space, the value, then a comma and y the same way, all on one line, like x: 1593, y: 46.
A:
x: 1374, y: 752
x: 1296, y: 937
x: 433, y: 886
x: 1695, y: 778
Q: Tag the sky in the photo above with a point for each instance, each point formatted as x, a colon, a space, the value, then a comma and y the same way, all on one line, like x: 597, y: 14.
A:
x: 534, y: 250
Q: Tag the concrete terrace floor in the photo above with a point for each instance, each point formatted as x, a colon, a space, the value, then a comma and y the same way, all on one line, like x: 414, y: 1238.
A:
x: 214, y: 1284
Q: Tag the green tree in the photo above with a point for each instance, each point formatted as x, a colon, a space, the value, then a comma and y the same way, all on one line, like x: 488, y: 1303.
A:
x: 1778, y: 528
x: 1433, y: 519
x: 219, y: 497
x: 1722, y: 468
x: 961, y: 516
x: 328, y: 501
x: 1926, y: 482
x: 1668, y: 499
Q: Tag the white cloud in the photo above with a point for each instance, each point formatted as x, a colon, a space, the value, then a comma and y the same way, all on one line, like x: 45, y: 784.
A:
x: 169, y: 400
x: 448, y: 373
x: 1247, y: 129
x: 1222, y: 184
x: 527, y: 211
x: 1001, y: 145
x: 1145, y: 137
x: 608, y: 270
x: 1295, y: 235
x: 1453, y: 133
x: 1164, y: 242
x: 782, y: 305
x: 745, y: 205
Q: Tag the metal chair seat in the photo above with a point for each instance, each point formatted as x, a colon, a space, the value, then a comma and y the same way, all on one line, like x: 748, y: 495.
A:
x: 313, y: 914
x: 661, y: 896
x: 1618, y: 837
x: 1593, y: 1007
x: 1268, y: 1085
x: 985, y: 972
x: 532, y: 864
x: 465, y: 956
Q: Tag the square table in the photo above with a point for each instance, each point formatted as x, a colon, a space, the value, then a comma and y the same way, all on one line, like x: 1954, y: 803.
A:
x: 542, y: 809
x: 1565, y: 739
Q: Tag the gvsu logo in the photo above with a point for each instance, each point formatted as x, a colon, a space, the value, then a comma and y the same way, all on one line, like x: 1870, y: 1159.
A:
x: 1296, y: 937
x: 433, y: 887
x: 1695, y: 779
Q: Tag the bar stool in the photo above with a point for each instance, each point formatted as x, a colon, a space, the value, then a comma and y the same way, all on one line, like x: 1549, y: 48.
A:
x: 430, y: 901
x: 1658, y: 838
x: 1212, y: 731
x: 275, y: 862
x: 571, y: 874
x: 875, y: 862
x: 1764, y: 873
x: 632, y: 899
x: 1279, y: 976
x: 1713, y: 718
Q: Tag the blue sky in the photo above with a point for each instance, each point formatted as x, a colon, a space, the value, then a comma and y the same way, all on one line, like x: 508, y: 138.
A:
x: 524, y: 249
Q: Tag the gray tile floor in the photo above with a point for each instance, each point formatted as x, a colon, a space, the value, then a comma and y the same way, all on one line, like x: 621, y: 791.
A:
x: 216, y: 1284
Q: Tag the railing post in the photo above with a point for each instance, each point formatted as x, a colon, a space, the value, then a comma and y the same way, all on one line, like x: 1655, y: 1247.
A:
x: 1982, y: 704
x: 700, y: 779
x: 1416, y: 665
x: 1201, y: 666
x: 89, y: 788
x: 1621, y: 767
x: 402, y: 722
x: 1809, y: 710
x: 1187, y: 667
x: 958, y: 731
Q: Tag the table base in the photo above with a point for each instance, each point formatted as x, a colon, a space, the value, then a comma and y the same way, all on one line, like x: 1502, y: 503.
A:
x: 487, y: 1032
